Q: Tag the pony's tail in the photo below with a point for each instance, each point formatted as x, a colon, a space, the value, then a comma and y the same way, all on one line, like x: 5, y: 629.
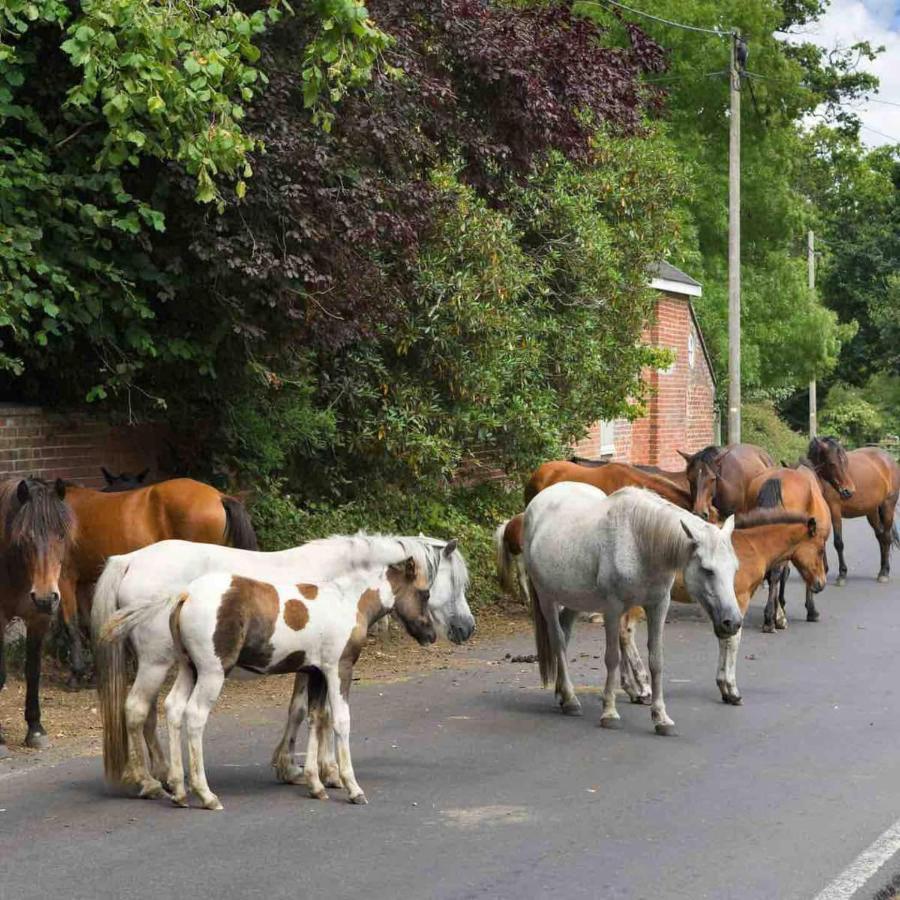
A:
x: 238, y: 527
x: 109, y: 658
x: 895, y: 535
x: 505, y: 562
x: 547, y: 661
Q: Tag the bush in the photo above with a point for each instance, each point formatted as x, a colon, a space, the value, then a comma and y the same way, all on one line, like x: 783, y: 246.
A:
x: 848, y: 413
x: 763, y: 426
x: 469, y: 514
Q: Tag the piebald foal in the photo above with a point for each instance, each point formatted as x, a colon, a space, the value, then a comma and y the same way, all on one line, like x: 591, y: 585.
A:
x: 225, y: 620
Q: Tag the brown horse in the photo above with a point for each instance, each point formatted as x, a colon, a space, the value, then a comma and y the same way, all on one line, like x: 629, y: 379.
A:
x: 116, y: 523
x: 721, y: 475
x: 864, y: 482
x: 678, y: 478
x: 609, y: 478
x: 795, y: 490
x: 37, y: 530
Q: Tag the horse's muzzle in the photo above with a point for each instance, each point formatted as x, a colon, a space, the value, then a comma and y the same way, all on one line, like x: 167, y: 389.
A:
x: 728, y: 627
x: 460, y: 630
x: 817, y: 586
x: 46, y: 603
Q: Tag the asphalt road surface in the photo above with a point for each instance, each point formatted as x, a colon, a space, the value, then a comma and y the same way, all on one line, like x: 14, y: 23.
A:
x: 479, y: 787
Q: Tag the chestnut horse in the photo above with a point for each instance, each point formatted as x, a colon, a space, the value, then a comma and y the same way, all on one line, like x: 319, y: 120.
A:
x: 864, y: 482
x: 795, y: 490
x: 679, y: 478
x: 115, y: 523
x: 37, y: 530
x: 609, y: 477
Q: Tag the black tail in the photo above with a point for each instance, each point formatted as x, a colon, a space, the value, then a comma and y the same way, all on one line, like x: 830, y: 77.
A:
x: 238, y: 527
x: 895, y: 535
x: 591, y: 463
x: 770, y: 494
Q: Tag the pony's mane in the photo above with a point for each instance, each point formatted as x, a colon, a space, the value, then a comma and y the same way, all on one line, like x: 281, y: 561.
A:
x: 707, y: 455
x: 656, y: 525
x: 770, y: 495
x: 381, y: 546
x: 769, y: 516
x: 32, y: 527
x: 459, y: 570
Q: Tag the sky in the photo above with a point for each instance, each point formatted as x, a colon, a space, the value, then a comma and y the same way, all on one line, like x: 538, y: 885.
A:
x: 876, y: 21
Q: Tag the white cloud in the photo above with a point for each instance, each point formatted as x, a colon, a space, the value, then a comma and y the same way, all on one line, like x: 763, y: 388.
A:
x: 876, y: 21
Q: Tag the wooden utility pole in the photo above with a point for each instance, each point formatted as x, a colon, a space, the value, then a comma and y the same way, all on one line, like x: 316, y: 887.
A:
x: 734, y: 251
x: 811, y: 273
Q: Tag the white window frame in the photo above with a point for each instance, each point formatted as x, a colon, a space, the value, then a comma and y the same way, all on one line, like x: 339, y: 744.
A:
x: 607, y: 437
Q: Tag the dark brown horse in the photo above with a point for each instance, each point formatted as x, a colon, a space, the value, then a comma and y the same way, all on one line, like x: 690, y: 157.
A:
x: 864, y: 482
x: 37, y: 530
x: 115, y: 523
x: 721, y: 476
x: 124, y: 481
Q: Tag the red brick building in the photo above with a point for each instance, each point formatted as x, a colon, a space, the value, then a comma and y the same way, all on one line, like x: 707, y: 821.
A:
x: 681, y: 412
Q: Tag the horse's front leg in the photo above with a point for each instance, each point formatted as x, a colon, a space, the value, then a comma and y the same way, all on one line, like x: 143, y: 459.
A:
x: 837, y: 524
x: 340, y: 712
x: 780, y: 614
x: 286, y: 769
x: 656, y: 620
x: 726, y: 677
x: 610, y: 718
x: 635, y: 681
x: 36, y: 738
x: 68, y: 612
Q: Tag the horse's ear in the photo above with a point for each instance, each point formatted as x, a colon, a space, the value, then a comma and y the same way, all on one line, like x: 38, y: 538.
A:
x: 110, y: 479
x: 785, y: 464
x: 685, y: 456
x: 142, y: 475
x: 728, y: 527
x: 23, y: 493
x: 410, y: 569
x: 691, y: 536
x: 450, y: 547
x: 811, y: 526
x: 60, y: 489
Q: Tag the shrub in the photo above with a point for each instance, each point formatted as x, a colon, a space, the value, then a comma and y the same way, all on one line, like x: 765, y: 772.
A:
x: 848, y: 413
x: 762, y: 425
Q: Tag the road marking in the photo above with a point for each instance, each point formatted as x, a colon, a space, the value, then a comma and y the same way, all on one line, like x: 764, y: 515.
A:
x: 864, y: 866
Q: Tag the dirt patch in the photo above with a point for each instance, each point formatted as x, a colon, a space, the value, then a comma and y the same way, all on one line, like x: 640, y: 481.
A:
x: 72, y: 718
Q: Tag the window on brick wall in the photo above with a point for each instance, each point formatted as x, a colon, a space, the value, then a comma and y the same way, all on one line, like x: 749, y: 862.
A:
x: 692, y: 351
x: 607, y: 437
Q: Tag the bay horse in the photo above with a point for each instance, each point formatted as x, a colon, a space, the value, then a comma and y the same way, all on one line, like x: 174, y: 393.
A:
x: 609, y: 478
x: 127, y: 608
x: 795, y: 490
x: 37, y: 531
x: 590, y: 552
x: 224, y: 621
x: 725, y: 474
x: 119, y: 522
x: 864, y: 482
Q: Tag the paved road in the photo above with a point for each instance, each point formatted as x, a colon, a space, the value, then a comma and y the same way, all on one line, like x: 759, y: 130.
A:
x: 479, y: 788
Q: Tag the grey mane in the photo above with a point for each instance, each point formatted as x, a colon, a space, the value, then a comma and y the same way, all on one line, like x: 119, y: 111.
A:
x: 655, y: 524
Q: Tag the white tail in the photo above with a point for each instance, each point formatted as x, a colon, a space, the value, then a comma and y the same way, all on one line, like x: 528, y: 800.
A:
x: 505, y: 561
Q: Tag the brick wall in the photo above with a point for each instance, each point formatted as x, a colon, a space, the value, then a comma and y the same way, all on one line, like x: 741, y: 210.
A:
x: 50, y: 445
x: 681, y: 409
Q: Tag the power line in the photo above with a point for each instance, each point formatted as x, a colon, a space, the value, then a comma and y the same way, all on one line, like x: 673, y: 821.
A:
x: 646, y: 15
x: 876, y: 131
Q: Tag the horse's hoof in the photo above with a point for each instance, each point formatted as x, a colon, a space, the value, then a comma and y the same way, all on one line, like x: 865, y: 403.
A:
x: 38, y: 740
x: 331, y: 778
x: 768, y: 628
x: 153, y: 791
x: 359, y: 799
x: 883, y: 579
x: 213, y: 804
x: 733, y: 699
x: 642, y: 699
x: 812, y: 616
x: 613, y: 723
x: 665, y: 730
x: 5, y: 752
x: 781, y: 624
x: 571, y: 707
x: 841, y: 582
x: 319, y: 795
x: 180, y: 800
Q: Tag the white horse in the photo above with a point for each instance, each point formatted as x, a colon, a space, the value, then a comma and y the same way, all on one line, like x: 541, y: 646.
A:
x: 589, y: 552
x: 127, y: 605
x: 225, y: 621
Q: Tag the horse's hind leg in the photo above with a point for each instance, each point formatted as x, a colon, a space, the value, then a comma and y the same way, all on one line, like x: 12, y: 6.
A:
x: 141, y: 697
x: 780, y: 614
x: 316, y: 692
x: 656, y: 619
x: 206, y: 692
x: 565, y: 690
x: 158, y: 763
x: 770, y: 616
x: 886, y: 536
x: 286, y: 769
x: 68, y: 613
x: 176, y: 702
x: 635, y: 681
x: 609, y: 718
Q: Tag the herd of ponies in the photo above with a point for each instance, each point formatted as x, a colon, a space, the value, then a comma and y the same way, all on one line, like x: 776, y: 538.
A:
x: 169, y: 575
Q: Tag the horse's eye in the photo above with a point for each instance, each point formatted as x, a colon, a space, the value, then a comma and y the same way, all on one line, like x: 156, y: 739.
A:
x: 424, y: 595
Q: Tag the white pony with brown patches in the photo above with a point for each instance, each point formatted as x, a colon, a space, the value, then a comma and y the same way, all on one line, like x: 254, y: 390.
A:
x: 131, y: 607
x: 593, y: 553
x: 225, y: 621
